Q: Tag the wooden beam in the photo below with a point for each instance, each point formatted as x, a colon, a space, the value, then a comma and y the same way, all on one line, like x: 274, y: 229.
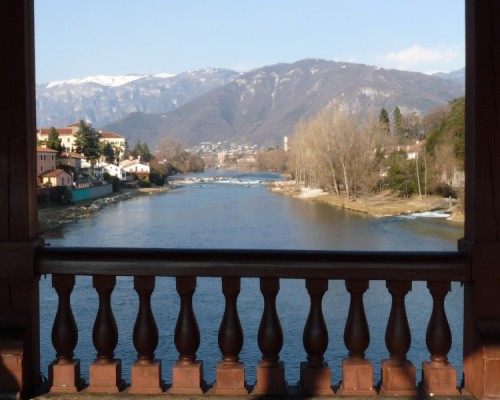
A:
x: 18, y: 213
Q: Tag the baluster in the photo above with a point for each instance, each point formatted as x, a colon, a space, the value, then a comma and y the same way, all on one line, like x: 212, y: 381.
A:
x: 315, y: 375
x: 187, y: 373
x: 105, y: 371
x: 270, y: 371
x: 230, y: 371
x: 438, y: 376
x: 357, y: 372
x: 64, y: 373
x: 398, y: 373
x: 146, y: 371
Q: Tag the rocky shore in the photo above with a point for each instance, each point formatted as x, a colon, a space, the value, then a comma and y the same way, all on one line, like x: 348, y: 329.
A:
x: 53, y: 217
x: 383, y: 204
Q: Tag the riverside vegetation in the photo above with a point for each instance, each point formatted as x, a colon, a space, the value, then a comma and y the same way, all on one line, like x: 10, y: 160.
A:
x: 367, y: 164
x: 381, y: 166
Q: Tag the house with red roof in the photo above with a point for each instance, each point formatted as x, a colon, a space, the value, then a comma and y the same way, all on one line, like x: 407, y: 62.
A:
x: 46, y: 159
x: 67, y: 136
x: 57, y: 177
x: 71, y: 159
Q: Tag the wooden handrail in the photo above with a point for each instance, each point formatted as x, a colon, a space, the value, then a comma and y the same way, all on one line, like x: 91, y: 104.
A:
x: 414, y: 266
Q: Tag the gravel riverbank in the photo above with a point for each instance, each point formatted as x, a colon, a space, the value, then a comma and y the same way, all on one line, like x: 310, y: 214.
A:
x: 53, y: 217
x: 384, y: 204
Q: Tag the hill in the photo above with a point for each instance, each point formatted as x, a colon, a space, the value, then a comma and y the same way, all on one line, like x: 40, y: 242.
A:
x: 263, y: 105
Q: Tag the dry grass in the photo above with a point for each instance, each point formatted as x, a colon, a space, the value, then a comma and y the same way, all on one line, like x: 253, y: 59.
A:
x: 382, y: 204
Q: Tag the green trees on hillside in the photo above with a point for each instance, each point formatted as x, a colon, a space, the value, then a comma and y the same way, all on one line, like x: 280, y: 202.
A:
x: 445, y: 143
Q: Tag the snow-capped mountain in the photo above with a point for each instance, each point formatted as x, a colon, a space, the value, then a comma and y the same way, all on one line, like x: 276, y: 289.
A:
x: 105, y: 99
x: 263, y: 105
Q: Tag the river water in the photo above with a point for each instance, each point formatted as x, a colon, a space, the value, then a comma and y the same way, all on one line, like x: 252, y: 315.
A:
x: 228, y: 209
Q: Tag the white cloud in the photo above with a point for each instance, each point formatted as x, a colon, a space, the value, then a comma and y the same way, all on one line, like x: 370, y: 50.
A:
x: 419, y: 58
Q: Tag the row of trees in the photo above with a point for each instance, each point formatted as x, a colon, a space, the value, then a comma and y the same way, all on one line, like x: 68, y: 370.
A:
x: 342, y: 153
x: 337, y: 151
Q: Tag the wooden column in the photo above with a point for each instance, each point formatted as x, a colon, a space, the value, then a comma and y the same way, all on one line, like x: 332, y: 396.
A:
x: 482, y: 199
x: 146, y: 370
x: 357, y: 371
x: 105, y: 371
x: 439, y: 378
x: 187, y: 373
x: 19, y: 291
x: 315, y: 374
x: 270, y: 371
x: 398, y: 373
x: 64, y: 373
x: 230, y: 377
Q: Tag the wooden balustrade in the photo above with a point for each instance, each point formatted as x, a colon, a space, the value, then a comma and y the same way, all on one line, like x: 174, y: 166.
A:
x: 64, y: 373
x: 230, y: 377
x: 187, y: 373
x: 146, y: 371
x: 105, y: 372
x: 439, y: 376
x: 315, y: 375
x: 270, y: 371
x: 357, y: 372
x: 398, y: 373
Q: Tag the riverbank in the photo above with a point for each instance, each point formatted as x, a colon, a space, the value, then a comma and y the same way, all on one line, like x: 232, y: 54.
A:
x: 53, y: 217
x: 383, y: 204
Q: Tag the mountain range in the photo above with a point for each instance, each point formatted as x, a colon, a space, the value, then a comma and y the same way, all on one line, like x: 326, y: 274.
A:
x: 106, y: 99
x: 257, y: 107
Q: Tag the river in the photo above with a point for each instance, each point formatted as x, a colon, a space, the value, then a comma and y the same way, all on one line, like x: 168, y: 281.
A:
x: 229, y: 209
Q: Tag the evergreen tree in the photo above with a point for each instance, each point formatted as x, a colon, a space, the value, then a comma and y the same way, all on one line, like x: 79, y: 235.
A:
x: 141, y: 150
x: 87, y: 142
x: 398, y: 122
x: 384, y: 121
x: 456, y: 125
x: 53, y: 141
x: 109, y: 153
x: 146, y: 155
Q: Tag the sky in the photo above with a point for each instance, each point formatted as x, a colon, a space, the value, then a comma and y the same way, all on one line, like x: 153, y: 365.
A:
x: 76, y: 39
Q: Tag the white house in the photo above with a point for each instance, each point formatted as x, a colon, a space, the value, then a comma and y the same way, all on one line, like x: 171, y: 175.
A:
x: 114, y: 170
x: 135, y: 167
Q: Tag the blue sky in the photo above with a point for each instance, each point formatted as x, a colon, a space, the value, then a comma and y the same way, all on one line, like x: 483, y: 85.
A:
x: 76, y: 39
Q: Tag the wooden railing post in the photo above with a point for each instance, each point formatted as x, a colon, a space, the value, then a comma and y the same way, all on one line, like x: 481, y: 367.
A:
x: 230, y: 371
x: 270, y: 370
x: 398, y: 373
x: 357, y: 371
x: 187, y: 373
x: 146, y: 371
x: 105, y: 371
x: 439, y: 377
x: 315, y: 375
x: 64, y: 373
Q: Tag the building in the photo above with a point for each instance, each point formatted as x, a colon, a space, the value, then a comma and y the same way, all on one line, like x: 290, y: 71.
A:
x: 113, y: 170
x: 137, y: 168
x: 24, y: 258
x: 46, y: 159
x: 71, y: 159
x: 114, y: 139
x: 57, y: 177
x: 67, y: 136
